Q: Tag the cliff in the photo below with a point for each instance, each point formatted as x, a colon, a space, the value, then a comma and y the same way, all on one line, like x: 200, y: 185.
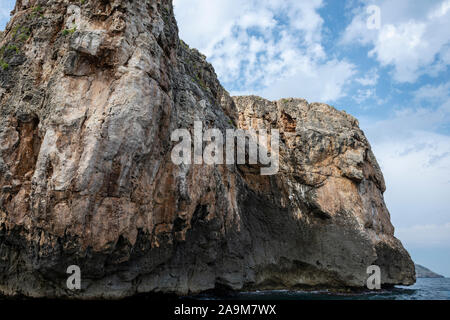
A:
x: 90, y: 92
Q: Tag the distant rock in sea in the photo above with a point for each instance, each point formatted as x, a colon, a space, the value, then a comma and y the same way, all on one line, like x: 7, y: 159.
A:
x: 422, y: 272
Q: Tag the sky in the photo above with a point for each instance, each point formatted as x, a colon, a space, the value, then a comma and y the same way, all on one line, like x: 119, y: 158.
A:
x: 392, y: 73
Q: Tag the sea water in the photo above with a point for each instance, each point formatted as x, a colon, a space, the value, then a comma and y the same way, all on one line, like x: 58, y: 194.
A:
x: 424, y: 289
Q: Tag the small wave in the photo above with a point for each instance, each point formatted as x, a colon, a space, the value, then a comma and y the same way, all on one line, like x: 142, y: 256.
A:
x: 424, y: 289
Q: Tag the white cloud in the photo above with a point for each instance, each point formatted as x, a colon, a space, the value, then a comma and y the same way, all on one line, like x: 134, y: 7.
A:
x: 416, y: 123
x: 269, y: 47
x: 438, y: 93
x: 415, y: 159
x: 304, y: 78
x: 370, y: 78
x: 417, y: 173
x: 413, y: 38
x: 425, y: 236
x: 363, y: 95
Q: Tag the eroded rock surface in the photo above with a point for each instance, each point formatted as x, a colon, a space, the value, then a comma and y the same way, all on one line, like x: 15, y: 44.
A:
x: 89, y: 95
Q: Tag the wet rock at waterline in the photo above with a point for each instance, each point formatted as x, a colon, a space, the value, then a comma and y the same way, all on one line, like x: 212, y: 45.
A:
x: 89, y: 96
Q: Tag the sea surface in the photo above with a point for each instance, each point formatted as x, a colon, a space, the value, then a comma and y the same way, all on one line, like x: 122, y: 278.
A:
x: 424, y: 289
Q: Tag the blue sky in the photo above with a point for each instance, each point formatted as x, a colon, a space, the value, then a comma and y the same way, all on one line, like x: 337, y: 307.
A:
x: 395, y: 79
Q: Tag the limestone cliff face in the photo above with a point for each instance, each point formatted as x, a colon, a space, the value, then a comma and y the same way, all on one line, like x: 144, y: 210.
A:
x: 90, y: 92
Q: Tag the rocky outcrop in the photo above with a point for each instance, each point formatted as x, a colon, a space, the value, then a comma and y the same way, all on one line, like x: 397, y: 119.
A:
x: 422, y: 272
x: 90, y: 92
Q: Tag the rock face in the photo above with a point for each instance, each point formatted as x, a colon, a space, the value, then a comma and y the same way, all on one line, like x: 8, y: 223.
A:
x: 90, y: 92
x: 422, y: 272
